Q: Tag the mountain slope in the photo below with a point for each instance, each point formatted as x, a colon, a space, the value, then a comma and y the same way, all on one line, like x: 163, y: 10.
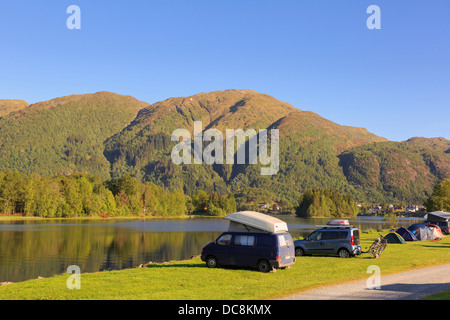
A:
x: 108, y: 134
x: 11, y: 105
x: 403, y: 171
x: 309, y: 144
x: 64, y: 135
x: 144, y: 147
x: 307, y: 126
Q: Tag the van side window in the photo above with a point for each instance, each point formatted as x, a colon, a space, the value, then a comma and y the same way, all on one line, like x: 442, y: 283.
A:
x: 265, y: 241
x: 244, y: 240
x: 224, y: 239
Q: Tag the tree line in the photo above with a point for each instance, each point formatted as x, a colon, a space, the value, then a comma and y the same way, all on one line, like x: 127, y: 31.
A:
x: 440, y: 198
x: 323, y: 203
x: 85, y: 195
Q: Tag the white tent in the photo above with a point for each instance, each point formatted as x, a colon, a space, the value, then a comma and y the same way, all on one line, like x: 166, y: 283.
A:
x: 255, y: 222
x: 436, y: 231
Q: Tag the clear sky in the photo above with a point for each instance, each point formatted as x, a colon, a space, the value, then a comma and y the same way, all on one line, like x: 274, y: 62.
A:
x: 317, y: 55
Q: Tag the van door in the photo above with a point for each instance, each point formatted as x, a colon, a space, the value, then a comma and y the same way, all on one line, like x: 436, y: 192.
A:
x: 243, y: 250
x: 222, y: 249
x: 286, y: 249
x: 333, y: 241
x: 314, y: 243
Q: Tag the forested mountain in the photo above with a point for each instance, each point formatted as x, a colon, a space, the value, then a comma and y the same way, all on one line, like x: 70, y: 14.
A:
x: 405, y: 171
x: 64, y: 135
x: 109, y: 135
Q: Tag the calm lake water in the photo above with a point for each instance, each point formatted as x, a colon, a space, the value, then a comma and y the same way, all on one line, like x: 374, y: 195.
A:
x: 29, y: 249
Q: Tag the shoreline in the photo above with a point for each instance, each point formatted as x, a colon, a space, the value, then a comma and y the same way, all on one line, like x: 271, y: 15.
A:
x: 30, y: 218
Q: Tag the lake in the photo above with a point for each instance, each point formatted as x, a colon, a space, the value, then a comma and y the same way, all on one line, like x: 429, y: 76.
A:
x: 31, y: 249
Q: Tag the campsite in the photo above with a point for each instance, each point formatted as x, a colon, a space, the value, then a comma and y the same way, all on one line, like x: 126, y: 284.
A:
x: 427, y: 230
x: 192, y: 279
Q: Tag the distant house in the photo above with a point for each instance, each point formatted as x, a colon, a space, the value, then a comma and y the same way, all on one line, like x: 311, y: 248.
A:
x: 377, y: 209
x: 264, y: 206
x: 275, y: 207
x: 411, y: 209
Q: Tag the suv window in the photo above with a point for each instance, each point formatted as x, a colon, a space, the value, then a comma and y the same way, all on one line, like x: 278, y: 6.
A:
x: 316, y: 235
x: 244, y: 240
x: 356, y: 237
x: 334, y: 235
x: 224, y: 239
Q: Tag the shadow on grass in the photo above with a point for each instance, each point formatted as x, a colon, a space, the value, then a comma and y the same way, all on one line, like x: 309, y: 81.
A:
x: 437, y: 246
x: 175, y: 265
x: 198, y: 265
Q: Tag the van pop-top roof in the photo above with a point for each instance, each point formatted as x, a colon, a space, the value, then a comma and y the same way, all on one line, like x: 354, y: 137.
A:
x: 252, y: 221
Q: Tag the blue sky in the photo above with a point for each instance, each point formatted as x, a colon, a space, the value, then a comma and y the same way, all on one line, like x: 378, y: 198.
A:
x: 316, y: 55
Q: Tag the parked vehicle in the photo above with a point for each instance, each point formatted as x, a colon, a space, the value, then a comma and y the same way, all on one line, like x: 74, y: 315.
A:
x: 331, y: 240
x: 254, y: 240
x: 264, y: 251
x: 439, y: 218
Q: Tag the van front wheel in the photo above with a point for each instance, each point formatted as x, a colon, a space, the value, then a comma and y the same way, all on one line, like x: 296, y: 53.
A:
x: 264, y: 266
x: 211, y: 262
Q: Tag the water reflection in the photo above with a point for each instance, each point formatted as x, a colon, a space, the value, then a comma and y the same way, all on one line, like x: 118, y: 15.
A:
x: 44, y: 248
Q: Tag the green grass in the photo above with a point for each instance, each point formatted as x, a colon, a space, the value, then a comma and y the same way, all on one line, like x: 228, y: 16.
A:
x: 439, y: 296
x: 185, y: 280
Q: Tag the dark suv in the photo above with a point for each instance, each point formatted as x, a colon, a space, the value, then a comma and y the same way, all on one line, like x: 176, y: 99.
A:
x: 341, y: 241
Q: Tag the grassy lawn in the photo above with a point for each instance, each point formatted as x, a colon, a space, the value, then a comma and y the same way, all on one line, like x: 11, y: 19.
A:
x: 184, y: 280
x: 439, y: 296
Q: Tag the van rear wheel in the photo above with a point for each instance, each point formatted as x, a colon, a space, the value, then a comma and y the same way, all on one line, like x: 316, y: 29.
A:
x: 211, y: 262
x: 264, y: 266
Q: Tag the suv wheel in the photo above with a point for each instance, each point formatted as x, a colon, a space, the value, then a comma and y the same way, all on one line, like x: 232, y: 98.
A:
x: 299, y: 252
x: 343, y: 253
x: 264, y: 266
x: 211, y: 262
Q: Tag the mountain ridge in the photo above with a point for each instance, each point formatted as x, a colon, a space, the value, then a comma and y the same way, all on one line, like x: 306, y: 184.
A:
x: 108, y: 134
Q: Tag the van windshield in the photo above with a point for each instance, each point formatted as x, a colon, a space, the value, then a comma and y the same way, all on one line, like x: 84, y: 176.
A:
x: 285, y: 240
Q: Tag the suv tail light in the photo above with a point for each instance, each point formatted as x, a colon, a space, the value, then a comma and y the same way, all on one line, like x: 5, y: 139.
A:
x: 278, y: 258
x: 351, y: 240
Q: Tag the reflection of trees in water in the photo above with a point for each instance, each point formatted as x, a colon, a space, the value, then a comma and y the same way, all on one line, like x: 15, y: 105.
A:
x: 45, y: 250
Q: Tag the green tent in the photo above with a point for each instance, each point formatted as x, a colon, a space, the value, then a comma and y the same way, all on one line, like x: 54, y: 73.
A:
x: 394, y: 237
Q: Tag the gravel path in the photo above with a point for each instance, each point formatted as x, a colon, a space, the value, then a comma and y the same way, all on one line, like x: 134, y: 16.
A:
x: 410, y: 285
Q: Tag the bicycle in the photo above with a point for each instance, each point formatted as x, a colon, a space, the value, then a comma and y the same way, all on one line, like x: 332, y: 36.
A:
x: 377, y: 247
